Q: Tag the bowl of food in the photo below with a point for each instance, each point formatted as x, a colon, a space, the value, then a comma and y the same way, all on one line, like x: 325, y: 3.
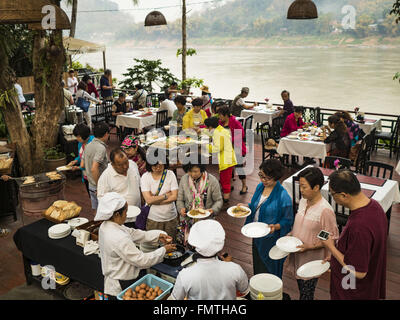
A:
x: 239, y: 211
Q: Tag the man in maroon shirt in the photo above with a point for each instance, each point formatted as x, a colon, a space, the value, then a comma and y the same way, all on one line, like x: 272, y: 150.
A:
x: 358, y: 262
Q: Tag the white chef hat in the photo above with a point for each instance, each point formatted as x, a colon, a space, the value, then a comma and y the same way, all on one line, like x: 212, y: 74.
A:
x: 108, y: 204
x: 207, y: 236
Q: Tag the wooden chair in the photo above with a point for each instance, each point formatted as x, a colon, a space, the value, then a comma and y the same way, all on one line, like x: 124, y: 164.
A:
x: 161, y: 119
x: 276, y: 128
x: 372, y: 166
x: 265, y: 135
x: 343, y: 162
x: 248, y: 124
x: 392, y: 136
x: 295, y: 192
x: 341, y: 216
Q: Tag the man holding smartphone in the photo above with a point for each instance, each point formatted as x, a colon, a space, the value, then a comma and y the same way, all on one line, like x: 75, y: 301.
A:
x: 358, y: 262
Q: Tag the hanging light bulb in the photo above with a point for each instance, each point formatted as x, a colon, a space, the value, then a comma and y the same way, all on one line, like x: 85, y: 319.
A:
x: 302, y: 9
x: 155, y: 18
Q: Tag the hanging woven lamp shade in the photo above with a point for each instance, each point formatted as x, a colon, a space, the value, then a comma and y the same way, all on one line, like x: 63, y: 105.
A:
x: 302, y: 9
x: 155, y: 18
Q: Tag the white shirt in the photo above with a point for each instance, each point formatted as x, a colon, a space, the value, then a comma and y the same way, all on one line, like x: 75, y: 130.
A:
x: 168, y: 105
x: 262, y: 198
x: 160, y: 212
x: 210, y: 279
x: 72, y: 84
x: 127, y: 186
x: 21, y: 97
x: 120, y: 258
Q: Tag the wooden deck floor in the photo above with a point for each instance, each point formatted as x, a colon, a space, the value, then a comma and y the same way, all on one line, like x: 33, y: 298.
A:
x: 11, y: 268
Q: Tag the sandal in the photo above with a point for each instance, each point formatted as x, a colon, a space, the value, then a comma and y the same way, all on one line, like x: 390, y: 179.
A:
x: 244, y: 192
x: 4, y: 232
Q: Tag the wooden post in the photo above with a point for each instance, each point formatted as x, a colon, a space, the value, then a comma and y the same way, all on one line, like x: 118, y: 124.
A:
x: 183, y: 40
x: 104, y: 60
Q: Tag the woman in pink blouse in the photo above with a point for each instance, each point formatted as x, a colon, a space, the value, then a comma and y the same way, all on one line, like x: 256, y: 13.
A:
x: 293, y: 122
x: 314, y: 214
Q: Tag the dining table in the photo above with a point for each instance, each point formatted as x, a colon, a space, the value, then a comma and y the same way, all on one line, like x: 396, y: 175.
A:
x: 303, y: 144
x: 137, y: 119
x: 261, y: 114
x: 367, y: 125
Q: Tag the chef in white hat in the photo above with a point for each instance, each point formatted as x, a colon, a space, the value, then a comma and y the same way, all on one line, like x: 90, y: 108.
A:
x: 121, y: 261
x: 209, y: 278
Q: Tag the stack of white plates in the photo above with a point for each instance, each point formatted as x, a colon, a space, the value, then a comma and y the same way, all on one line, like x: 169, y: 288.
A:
x: 59, y: 231
x: 76, y: 222
x: 266, y: 286
x: 277, y: 254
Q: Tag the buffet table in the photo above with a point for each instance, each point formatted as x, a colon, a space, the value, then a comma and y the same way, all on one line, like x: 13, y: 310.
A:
x: 66, y: 257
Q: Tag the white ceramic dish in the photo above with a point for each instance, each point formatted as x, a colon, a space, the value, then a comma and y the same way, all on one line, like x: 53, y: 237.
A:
x: 200, y: 216
x: 289, y: 244
x: 313, y: 269
x: 276, y: 254
x: 255, y: 230
x: 76, y: 222
x: 59, y: 229
x: 133, y: 212
x: 268, y: 284
x: 229, y: 211
x: 51, y: 236
x: 64, y: 168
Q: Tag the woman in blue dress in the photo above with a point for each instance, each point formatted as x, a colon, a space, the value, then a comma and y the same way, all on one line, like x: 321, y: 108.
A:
x: 271, y: 204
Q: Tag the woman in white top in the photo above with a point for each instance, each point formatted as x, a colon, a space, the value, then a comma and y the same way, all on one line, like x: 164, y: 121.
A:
x: 209, y: 278
x: 121, y: 260
x: 81, y: 93
x: 163, y: 214
x: 72, y: 82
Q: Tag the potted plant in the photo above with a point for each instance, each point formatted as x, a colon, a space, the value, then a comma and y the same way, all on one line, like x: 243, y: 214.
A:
x: 54, y: 158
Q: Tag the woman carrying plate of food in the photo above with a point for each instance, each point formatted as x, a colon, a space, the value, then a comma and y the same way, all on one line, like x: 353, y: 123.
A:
x: 199, y: 197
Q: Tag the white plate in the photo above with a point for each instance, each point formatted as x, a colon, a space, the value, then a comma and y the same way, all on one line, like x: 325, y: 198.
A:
x: 60, y: 228
x: 76, y: 222
x: 266, y: 283
x: 276, y: 254
x: 256, y: 230
x: 133, y: 212
x: 59, y: 236
x: 289, y: 244
x: 64, y: 168
x: 313, y: 269
x: 200, y: 216
x: 229, y: 211
x: 291, y: 137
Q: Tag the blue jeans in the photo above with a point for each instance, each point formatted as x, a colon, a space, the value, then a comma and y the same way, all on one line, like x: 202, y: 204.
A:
x: 93, y: 197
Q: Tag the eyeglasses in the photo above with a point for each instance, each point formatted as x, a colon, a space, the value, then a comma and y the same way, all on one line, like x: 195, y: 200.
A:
x: 262, y: 177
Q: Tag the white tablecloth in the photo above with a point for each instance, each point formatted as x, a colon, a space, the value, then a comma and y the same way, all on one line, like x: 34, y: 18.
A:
x: 135, y: 122
x: 368, y: 126
x: 92, y: 109
x: 398, y: 168
x: 311, y: 149
x: 260, y: 115
x: 385, y: 195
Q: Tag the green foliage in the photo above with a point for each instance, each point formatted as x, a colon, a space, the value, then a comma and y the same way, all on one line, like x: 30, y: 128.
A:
x: 53, y: 153
x: 397, y: 76
x: 77, y: 65
x: 147, y: 72
x: 189, y: 52
x: 396, y: 10
x: 267, y: 18
x: 190, y: 82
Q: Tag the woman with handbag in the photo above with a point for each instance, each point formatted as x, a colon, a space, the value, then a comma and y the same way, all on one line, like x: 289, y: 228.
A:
x: 160, y: 191
x: 82, y: 101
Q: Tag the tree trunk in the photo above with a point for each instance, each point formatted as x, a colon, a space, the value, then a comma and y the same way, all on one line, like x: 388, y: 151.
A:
x: 184, y: 40
x: 48, y: 62
x: 73, y: 18
x: 13, y: 116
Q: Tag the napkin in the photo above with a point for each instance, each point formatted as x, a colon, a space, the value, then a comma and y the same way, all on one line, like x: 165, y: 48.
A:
x: 91, y: 247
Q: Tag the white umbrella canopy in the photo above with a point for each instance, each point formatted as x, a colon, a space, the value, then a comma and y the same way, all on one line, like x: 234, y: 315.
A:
x: 77, y: 46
